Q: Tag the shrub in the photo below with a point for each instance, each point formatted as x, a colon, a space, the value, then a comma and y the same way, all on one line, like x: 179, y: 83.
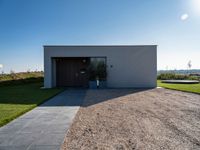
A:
x: 97, y: 70
x: 193, y: 78
x: 173, y: 76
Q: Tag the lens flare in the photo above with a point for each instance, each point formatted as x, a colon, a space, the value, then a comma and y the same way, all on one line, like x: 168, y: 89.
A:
x: 184, y: 17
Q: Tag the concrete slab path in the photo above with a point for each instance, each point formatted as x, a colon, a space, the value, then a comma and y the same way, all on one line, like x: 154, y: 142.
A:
x: 44, y: 127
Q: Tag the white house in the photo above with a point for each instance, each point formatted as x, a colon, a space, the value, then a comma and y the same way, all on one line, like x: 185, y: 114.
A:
x: 126, y: 66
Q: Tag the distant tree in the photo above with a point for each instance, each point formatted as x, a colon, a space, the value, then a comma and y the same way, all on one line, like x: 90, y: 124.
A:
x: 189, y: 64
x: 28, y: 71
x: 12, y: 72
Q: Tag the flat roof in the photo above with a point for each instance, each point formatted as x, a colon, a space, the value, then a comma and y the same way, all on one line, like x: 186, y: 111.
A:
x: 97, y: 45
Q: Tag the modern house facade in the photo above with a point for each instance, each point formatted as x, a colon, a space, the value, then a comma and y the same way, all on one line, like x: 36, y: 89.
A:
x: 123, y: 66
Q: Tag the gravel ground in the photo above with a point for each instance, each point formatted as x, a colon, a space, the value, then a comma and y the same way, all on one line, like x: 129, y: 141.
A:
x: 128, y: 119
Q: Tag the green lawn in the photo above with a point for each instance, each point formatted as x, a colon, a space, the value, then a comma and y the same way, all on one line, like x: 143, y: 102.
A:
x: 193, y: 88
x: 18, y: 99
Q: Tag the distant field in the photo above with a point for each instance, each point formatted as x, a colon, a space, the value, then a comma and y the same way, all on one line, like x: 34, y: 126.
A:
x: 193, y: 88
x: 21, y: 94
x: 19, y: 76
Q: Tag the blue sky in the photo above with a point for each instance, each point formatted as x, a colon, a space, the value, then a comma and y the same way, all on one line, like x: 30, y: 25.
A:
x: 27, y: 25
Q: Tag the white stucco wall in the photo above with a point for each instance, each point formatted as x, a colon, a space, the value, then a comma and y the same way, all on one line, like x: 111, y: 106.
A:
x: 133, y: 66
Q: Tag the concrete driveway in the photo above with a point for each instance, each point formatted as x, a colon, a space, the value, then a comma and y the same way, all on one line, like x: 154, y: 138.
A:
x: 43, y: 127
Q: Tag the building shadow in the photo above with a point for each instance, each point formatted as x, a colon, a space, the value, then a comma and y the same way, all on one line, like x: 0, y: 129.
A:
x: 69, y: 97
x: 85, y: 98
x: 94, y: 97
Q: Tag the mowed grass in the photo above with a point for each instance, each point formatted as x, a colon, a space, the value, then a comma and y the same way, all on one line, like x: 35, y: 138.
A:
x: 193, y: 88
x: 18, y: 99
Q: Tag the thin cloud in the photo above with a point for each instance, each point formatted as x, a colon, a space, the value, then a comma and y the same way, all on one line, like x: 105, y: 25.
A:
x: 1, y: 66
x: 184, y: 17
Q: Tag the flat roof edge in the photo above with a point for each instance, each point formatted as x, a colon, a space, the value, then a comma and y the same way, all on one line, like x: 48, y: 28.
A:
x: 97, y: 45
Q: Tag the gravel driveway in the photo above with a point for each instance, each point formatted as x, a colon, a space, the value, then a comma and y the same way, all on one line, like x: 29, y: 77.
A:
x: 128, y: 119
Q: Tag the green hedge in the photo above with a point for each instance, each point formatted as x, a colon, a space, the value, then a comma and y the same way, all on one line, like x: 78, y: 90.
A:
x: 172, y: 76
x: 22, y: 81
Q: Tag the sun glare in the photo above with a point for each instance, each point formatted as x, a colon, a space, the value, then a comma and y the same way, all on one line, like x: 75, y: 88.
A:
x: 196, y: 6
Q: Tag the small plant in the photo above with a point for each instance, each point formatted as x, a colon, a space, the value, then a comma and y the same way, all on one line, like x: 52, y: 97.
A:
x: 97, y: 71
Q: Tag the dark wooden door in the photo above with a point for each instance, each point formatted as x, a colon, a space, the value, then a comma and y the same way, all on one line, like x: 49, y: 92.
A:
x: 72, y: 72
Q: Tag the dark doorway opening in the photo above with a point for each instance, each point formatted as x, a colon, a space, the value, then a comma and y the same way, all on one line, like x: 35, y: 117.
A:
x: 72, y: 72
